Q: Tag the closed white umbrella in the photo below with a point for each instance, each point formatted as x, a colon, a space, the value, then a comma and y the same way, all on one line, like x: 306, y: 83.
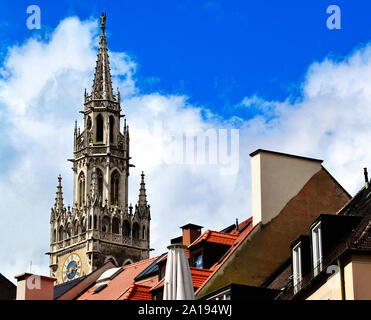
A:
x: 178, y: 280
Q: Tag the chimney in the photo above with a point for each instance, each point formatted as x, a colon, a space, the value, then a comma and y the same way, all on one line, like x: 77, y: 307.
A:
x: 190, y: 233
x: 34, y: 287
x: 366, y: 177
x: 275, y: 179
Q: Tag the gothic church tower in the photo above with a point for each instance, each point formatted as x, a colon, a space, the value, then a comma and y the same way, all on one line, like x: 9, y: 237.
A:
x: 100, y: 225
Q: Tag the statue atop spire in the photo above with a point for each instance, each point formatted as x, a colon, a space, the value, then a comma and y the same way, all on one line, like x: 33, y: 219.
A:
x: 103, y: 20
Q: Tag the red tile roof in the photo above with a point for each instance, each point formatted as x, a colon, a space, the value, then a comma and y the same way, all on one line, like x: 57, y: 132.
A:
x: 138, y: 292
x: 199, y: 276
x: 119, y: 285
x: 241, y: 225
x: 241, y: 236
x: 233, y: 239
x: 216, y: 237
x: 158, y: 285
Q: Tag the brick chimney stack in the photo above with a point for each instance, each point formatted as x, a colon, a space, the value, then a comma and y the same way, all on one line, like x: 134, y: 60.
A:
x: 190, y: 233
x: 34, y: 287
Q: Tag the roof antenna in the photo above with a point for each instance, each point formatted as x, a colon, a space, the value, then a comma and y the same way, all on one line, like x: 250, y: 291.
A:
x: 366, y: 177
x: 236, y: 224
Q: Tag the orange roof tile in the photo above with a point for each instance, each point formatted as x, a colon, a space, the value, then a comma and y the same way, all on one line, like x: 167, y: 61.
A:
x: 216, y: 237
x: 242, y: 235
x: 158, y: 285
x: 119, y: 285
x: 241, y: 225
x: 139, y: 292
x: 199, y: 276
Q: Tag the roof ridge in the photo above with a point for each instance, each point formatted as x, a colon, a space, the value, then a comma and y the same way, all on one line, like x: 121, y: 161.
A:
x: 201, y: 269
x: 232, y: 249
x: 138, y: 263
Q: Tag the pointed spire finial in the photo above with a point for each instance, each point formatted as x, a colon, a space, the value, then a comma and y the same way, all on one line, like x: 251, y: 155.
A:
x: 142, y: 202
x: 102, y: 85
x: 59, y: 193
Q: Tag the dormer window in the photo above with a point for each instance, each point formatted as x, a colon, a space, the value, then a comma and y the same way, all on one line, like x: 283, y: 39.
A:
x: 297, y: 267
x: 198, y: 261
x: 317, y: 248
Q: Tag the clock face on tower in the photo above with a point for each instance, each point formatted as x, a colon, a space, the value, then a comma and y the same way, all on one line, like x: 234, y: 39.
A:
x: 71, y: 268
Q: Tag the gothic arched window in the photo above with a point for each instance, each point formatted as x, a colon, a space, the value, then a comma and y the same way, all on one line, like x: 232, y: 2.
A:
x: 81, y: 188
x: 60, y: 233
x: 106, y: 224
x: 99, y: 133
x: 100, y: 182
x: 83, y: 225
x: 144, y: 233
x: 116, y: 226
x: 126, y: 228
x: 54, y: 237
x: 115, y: 181
x: 136, y: 230
x: 76, y: 228
x: 88, y: 123
x: 111, y: 128
x: 95, y: 222
x: 68, y: 231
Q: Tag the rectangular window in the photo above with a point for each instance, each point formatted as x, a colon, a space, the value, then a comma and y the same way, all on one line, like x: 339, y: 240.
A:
x: 317, y: 248
x: 296, y: 267
x: 198, y: 261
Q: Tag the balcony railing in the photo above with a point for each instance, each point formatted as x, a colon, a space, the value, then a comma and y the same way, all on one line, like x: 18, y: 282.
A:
x: 95, y: 234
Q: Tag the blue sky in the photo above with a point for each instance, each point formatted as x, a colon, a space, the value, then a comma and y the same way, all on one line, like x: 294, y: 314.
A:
x: 216, y: 52
x: 271, y: 69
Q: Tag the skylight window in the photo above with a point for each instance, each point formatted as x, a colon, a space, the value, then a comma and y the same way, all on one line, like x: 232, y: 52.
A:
x: 107, y: 275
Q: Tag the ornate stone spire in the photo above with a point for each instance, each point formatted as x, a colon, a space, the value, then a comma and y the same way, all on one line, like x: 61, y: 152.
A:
x: 142, y: 202
x: 59, y: 198
x: 102, y: 85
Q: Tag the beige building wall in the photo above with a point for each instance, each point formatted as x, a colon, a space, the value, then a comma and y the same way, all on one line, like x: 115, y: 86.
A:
x: 348, y: 281
x: 277, y: 178
x: 357, y: 282
x: 331, y: 290
x: 358, y: 278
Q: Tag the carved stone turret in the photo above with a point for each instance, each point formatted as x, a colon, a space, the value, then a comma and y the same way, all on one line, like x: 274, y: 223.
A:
x: 100, y: 225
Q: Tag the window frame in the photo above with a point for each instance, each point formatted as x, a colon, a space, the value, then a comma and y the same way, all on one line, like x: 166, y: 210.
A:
x: 297, y: 268
x: 317, y: 253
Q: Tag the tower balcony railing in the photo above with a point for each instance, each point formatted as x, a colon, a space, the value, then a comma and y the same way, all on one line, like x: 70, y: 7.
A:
x: 115, y: 237
x: 59, y: 245
x: 74, y: 239
x: 95, y: 234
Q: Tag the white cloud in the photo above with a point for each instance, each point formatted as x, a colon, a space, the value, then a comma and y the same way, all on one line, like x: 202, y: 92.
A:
x: 40, y: 97
x: 42, y: 93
